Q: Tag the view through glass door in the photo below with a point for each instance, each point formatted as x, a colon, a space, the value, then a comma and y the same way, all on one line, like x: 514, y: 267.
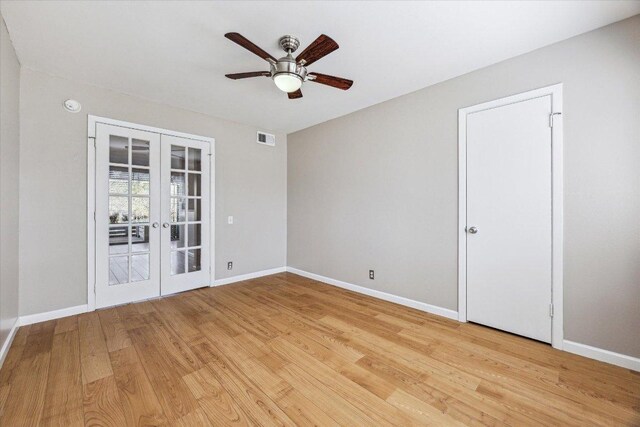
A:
x: 185, y: 206
x: 152, y: 214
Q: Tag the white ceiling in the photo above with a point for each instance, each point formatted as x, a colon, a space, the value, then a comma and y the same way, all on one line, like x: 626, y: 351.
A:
x: 175, y: 53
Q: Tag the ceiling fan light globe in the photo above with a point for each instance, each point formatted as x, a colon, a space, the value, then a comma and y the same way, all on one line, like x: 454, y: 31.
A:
x: 287, y: 82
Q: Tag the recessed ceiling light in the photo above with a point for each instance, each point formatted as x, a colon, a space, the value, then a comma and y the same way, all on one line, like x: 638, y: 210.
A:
x: 72, y: 106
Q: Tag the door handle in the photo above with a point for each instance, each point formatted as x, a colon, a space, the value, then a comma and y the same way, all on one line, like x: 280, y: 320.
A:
x: 155, y: 225
x: 165, y: 225
x: 472, y: 230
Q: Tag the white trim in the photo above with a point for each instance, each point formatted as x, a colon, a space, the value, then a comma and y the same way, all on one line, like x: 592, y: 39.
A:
x: 7, y: 343
x: 52, y: 315
x: 557, y: 203
x: 248, y: 276
x: 212, y: 215
x: 606, y: 356
x: 91, y: 223
x: 440, y: 311
x: 92, y: 122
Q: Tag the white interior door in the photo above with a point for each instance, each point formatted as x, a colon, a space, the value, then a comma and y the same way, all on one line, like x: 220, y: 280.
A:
x: 127, y: 215
x: 185, y: 214
x: 509, y: 218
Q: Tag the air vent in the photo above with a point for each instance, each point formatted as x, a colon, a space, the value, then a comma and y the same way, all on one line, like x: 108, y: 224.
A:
x: 266, y: 139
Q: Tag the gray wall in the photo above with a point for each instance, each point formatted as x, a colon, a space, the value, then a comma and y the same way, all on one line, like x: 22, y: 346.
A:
x: 250, y: 185
x: 377, y: 189
x: 9, y: 163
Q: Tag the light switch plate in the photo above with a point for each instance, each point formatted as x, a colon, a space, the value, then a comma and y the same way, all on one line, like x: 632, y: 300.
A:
x: 230, y: 220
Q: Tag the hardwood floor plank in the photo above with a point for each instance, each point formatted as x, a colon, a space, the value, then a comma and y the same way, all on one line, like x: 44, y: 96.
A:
x: 114, y: 331
x: 94, y: 355
x: 219, y: 406
x: 196, y: 418
x: 287, y: 350
x: 253, y: 400
x: 40, y: 339
x: 25, y: 401
x: 4, y: 394
x: 130, y: 316
x: 139, y: 401
x: 67, y: 324
x: 173, y: 394
x: 341, y: 410
x: 302, y: 411
x: 375, y: 408
x: 63, y: 396
x: 102, y: 404
x: 11, y: 362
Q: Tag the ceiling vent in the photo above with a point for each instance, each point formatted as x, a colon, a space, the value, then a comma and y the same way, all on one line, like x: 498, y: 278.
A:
x: 266, y: 139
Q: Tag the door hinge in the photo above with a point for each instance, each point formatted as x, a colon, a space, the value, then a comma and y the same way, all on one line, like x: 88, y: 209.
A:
x: 94, y: 216
x: 550, y: 310
x: 551, y: 118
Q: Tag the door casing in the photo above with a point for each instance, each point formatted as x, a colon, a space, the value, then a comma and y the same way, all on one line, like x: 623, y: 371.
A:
x: 555, y: 122
x: 92, y: 122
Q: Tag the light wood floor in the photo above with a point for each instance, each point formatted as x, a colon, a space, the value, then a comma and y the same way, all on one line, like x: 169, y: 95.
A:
x: 286, y: 350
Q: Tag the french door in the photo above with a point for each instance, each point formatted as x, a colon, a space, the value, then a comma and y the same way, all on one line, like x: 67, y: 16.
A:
x: 152, y: 214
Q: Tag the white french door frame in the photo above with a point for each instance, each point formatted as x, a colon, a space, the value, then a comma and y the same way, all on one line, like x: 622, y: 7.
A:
x: 555, y: 123
x: 92, y: 122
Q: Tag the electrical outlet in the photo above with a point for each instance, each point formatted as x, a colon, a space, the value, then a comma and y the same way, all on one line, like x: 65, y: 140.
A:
x: 371, y: 276
x: 230, y: 265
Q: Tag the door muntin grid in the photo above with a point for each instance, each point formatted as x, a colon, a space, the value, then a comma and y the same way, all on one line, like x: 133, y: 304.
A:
x: 129, y: 210
x: 185, y: 190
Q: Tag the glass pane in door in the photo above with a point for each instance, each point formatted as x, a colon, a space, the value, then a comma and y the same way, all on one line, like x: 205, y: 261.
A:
x: 194, y: 159
x: 177, y: 262
x: 140, y: 152
x: 118, y: 149
x: 129, y: 210
x: 185, y: 194
x: 139, y: 267
x: 178, y: 155
x: 193, y: 260
x: 118, y: 270
x: 140, y: 182
x: 140, y: 238
x: 118, y: 180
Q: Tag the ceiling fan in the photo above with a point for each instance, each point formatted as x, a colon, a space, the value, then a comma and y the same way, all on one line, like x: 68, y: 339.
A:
x: 288, y: 73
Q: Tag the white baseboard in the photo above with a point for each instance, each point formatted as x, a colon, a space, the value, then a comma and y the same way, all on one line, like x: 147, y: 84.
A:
x: 248, y: 276
x: 433, y: 309
x: 607, y: 356
x: 7, y: 343
x: 51, y: 315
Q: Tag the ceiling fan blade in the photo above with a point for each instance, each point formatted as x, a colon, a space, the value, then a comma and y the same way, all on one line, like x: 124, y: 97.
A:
x: 322, y: 46
x: 245, y: 43
x: 295, y: 95
x: 337, y: 82
x: 237, y: 76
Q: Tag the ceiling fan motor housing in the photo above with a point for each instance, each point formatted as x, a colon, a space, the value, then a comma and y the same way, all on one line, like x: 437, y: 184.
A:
x: 289, y: 43
x: 287, y: 65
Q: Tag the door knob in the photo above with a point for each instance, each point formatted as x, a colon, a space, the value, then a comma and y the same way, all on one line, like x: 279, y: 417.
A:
x: 473, y: 230
x: 165, y: 225
x: 155, y: 225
